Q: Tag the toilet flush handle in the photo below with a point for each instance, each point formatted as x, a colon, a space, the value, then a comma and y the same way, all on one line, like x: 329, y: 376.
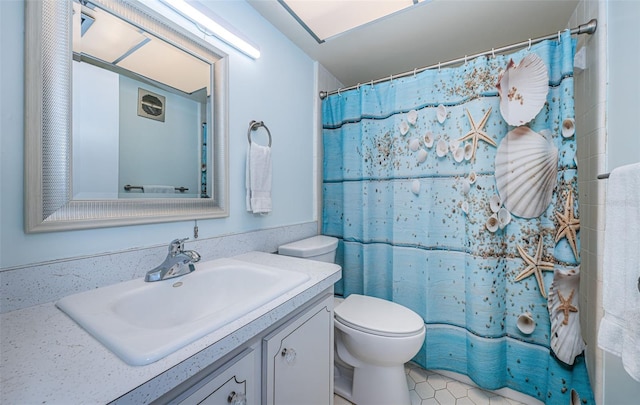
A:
x: 289, y: 356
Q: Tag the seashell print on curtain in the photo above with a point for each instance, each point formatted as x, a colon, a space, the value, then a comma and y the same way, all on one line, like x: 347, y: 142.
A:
x: 442, y: 206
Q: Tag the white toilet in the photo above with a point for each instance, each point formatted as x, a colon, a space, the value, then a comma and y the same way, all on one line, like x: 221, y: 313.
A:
x: 374, y: 337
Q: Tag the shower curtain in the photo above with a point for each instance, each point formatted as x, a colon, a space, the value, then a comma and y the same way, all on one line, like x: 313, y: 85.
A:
x: 454, y: 193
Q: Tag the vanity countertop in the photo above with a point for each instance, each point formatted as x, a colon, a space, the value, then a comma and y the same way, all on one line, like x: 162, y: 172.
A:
x: 48, y: 358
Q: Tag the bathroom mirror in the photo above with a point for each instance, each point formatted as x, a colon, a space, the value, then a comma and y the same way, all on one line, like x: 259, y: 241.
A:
x: 51, y: 204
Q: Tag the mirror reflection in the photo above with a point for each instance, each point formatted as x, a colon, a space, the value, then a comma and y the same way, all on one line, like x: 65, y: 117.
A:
x: 140, y: 112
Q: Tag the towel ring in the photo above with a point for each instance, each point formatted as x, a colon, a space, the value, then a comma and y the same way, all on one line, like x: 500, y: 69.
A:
x: 254, y: 125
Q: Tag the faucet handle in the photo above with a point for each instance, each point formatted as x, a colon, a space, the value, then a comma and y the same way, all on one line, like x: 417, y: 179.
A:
x: 195, y: 256
x: 176, y: 246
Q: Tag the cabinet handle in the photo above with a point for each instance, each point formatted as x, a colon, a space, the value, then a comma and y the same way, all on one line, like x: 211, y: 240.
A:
x: 237, y: 398
x: 289, y: 356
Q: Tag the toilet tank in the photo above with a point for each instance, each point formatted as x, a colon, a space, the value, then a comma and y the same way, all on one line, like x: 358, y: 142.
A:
x: 321, y: 248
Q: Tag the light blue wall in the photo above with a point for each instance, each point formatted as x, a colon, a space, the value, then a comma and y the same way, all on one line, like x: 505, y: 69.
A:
x: 278, y: 88
x: 95, y: 128
x: 158, y: 152
x: 623, y: 145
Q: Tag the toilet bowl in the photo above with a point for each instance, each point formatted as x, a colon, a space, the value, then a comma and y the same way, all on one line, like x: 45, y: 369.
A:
x: 376, y: 337
x: 373, y: 337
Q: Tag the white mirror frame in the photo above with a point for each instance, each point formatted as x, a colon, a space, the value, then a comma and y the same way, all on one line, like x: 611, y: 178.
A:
x: 48, y: 171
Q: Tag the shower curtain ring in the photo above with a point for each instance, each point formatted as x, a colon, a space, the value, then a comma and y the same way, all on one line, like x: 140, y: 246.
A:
x: 358, y: 87
x: 438, y: 66
x: 414, y: 72
x: 465, y: 59
x: 529, y: 47
x: 339, y: 93
x: 371, y: 83
x: 493, y: 53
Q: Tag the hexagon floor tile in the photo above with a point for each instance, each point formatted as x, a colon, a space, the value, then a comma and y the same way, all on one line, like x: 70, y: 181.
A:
x: 430, y: 388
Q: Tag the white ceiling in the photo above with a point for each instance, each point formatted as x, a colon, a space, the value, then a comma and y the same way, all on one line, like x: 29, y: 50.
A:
x: 423, y: 35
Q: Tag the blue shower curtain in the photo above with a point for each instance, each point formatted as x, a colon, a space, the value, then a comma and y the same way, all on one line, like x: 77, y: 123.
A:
x: 427, y: 187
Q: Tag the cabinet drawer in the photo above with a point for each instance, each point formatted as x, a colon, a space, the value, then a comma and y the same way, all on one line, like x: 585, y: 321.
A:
x: 229, y: 386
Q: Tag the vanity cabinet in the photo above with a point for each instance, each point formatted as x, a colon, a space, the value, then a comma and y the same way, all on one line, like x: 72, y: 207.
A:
x: 290, y: 363
x: 298, y: 359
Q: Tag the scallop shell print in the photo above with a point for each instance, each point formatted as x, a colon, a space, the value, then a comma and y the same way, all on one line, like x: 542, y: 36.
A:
x: 526, y: 168
x: 442, y: 148
x: 403, y: 127
x: 428, y: 139
x: 415, y: 187
x: 525, y: 323
x: 458, y: 155
x: 414, y: 144
x: 504, y: 217
x: 422, y: 156
x: 566, y: 336
x: 492, y: 223
x: 523, y: 89
x: 472, y: 177
x: 412, y: 117
x: 441, y: 113
x: 568, y: 127
x: 468, y: 151
x: 495, y: 203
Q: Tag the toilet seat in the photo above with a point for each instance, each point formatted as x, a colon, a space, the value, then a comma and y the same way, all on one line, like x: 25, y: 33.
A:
x: 378, y: 317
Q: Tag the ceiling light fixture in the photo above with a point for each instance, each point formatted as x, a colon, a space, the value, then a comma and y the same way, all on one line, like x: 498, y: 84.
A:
x: 214, y: 25
x: 324, y: 20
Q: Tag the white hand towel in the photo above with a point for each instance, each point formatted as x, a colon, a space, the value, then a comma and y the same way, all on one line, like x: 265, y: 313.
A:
x: 619, y: 331
x: 258, y: 179
x: 158, y: 189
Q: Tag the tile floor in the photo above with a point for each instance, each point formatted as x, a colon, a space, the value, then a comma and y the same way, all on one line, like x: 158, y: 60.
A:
x: 430, y: 388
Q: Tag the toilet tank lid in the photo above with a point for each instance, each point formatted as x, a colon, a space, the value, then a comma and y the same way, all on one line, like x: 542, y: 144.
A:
x: 378, y: 315
x: 314, y: 246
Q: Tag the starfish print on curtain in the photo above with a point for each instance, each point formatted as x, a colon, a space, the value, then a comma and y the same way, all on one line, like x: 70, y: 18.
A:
x: 566, y: 306
x: 477, y: 132
x: 569, y: 225
x: 535, y: 265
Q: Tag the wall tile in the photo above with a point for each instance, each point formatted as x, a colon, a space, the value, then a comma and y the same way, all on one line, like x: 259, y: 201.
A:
x: 591, y: 138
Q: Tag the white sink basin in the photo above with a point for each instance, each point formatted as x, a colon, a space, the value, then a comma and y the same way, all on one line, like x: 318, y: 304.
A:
x: 142, y: 322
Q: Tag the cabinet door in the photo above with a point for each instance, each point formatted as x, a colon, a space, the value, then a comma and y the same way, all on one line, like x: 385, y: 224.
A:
x: 234, y: 385
x: 299, y: 359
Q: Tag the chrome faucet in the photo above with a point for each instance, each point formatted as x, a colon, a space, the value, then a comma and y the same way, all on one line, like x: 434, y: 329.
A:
x: 177, y: 263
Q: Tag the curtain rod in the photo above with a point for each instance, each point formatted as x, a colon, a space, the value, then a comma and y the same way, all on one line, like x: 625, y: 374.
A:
x: 587, y: 28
